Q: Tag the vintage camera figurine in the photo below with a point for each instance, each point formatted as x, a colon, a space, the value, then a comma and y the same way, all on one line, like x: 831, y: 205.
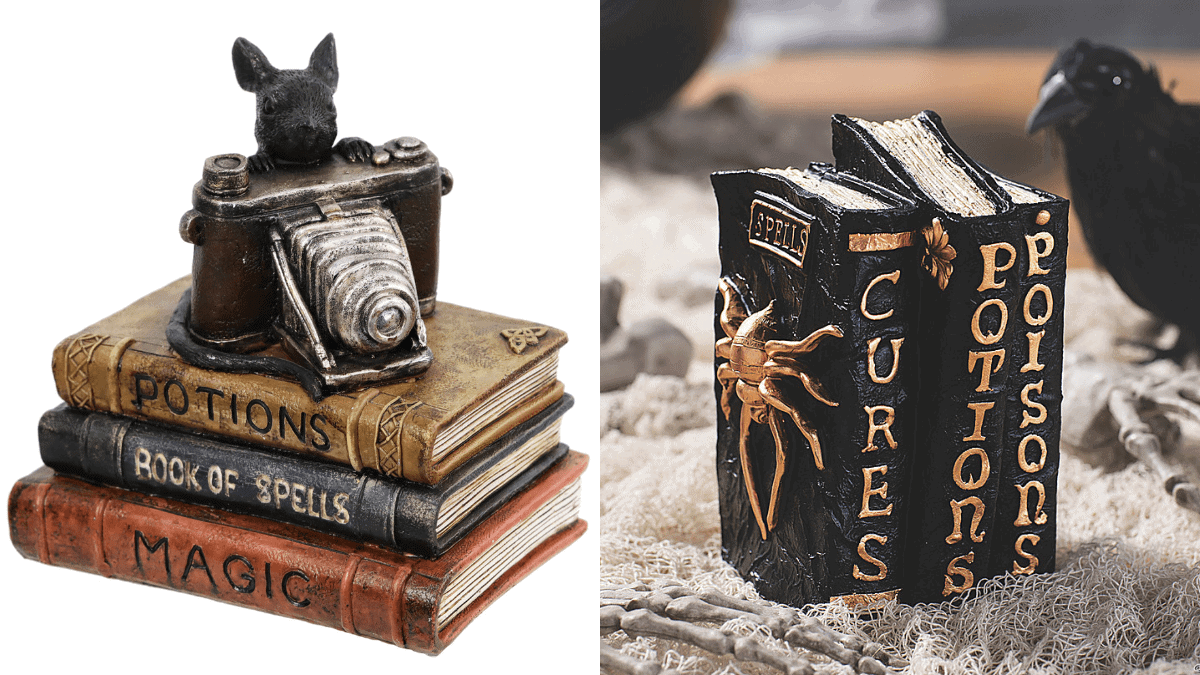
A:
x: 336, y: 261
x: 329, y: 249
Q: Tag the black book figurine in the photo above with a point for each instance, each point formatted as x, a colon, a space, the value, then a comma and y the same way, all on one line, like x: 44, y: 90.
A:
x: 991, y: 335
x: 815, y: 381
x: 889, y: 366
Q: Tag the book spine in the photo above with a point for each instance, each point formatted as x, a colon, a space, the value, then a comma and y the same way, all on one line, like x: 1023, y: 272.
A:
x: 371, y: 429
x: 157, y: 460
x: 140, y: 456
x: 74, y: 525
x: 967, y: 342
x: 870, y: 435
x: 145, y: 381
x: 782, y: 557
x: 1026, y: 509
x: 968, y: 299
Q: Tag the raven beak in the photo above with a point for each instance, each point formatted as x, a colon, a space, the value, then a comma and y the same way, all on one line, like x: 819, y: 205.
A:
x: 1057, y: 101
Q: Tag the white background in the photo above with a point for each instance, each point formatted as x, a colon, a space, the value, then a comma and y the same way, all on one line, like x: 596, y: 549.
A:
x: 109, y: 113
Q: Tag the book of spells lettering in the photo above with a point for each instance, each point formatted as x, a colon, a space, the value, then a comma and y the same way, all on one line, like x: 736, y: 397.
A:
x: 303, y: 416
x: 888, y: 340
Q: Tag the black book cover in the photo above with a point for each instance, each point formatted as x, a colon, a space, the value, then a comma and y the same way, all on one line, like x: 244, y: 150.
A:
x: 1026, y: 509
x: 810, y: 288
x: 147, y: 457
x: 972, y: 337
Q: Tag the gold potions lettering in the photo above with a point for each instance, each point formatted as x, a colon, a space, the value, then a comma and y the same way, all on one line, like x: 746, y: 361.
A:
x: 956, y: 508
x: 995, y: 356
x: 990, y: 268
x: 967, y: 482
x: 979, y: 409
x: 989, y: 338
x: 956, y: 570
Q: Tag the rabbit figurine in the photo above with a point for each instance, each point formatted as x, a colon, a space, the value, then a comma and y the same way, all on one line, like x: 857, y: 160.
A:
x: 296, y: 121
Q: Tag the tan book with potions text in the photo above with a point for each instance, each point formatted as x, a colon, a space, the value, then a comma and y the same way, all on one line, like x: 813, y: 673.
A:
x: 489, y: 374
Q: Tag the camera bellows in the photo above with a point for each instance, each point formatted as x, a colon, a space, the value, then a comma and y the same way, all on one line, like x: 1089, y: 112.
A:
x: 354, y: 271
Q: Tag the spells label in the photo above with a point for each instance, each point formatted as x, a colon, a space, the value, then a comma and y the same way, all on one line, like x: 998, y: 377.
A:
x: 779, y: 231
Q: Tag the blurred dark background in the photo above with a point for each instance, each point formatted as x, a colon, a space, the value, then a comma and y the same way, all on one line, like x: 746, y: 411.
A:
x: 769, y: 73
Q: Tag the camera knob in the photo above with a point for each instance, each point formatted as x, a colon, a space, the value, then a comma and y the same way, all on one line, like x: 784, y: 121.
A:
x: 226, y: 175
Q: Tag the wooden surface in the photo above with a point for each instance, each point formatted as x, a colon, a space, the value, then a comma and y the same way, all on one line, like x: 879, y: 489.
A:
x: 983, y: 96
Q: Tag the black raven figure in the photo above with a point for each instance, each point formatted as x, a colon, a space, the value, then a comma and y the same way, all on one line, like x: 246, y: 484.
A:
x: 1133, y: 165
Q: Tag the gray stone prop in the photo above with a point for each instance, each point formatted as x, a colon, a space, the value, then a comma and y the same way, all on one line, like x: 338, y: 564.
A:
x: 652, y: 346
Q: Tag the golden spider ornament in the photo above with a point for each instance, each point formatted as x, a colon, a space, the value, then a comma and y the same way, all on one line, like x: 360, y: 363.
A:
x: 756, y: 366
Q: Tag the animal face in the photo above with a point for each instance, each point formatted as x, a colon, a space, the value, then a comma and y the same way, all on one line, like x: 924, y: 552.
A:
x: 1085, y: 77
x: 296, y: 120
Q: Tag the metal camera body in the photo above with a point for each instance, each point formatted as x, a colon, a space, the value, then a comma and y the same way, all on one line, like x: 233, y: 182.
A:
x: 338, y: 262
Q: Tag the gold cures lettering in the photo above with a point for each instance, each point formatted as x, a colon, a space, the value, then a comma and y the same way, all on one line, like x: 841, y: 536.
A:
x: 870, y: 490
x: 1039, y: 516
x: 954, y: 569
x: 303, y: 499
x: 872, y: 347
x: 992, y: 362
x: 990, y: 268
x: 867, y: 557
x: 956, y: 508
x: 989, y: 338
x: 781, y: 232
x: 894, y: 277
x: 1019, y: 547
x: 886, y: 426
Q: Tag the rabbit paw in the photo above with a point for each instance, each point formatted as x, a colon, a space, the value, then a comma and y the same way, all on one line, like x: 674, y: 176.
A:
x: 355, y: 149
x: 260, y: 162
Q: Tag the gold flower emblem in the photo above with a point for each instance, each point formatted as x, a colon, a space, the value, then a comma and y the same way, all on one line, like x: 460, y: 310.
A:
x: 519, y: 338
x: 938, y: 253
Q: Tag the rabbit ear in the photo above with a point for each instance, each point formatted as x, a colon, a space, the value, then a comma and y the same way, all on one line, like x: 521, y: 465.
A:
x: 251, y: 65
x: 323, y: 63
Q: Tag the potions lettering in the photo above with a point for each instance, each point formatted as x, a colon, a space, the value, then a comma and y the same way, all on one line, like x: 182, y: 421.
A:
x: 174, y: 399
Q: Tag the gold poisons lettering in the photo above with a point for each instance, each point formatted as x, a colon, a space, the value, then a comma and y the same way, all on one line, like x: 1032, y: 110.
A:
x: 781, y: 232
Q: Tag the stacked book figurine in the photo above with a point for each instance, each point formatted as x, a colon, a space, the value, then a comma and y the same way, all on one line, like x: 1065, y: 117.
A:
x: 301, y: 427
x: 889, y: 365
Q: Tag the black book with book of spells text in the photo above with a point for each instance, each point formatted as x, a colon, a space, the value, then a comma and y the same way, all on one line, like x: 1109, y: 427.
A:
x: 423, y: 520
